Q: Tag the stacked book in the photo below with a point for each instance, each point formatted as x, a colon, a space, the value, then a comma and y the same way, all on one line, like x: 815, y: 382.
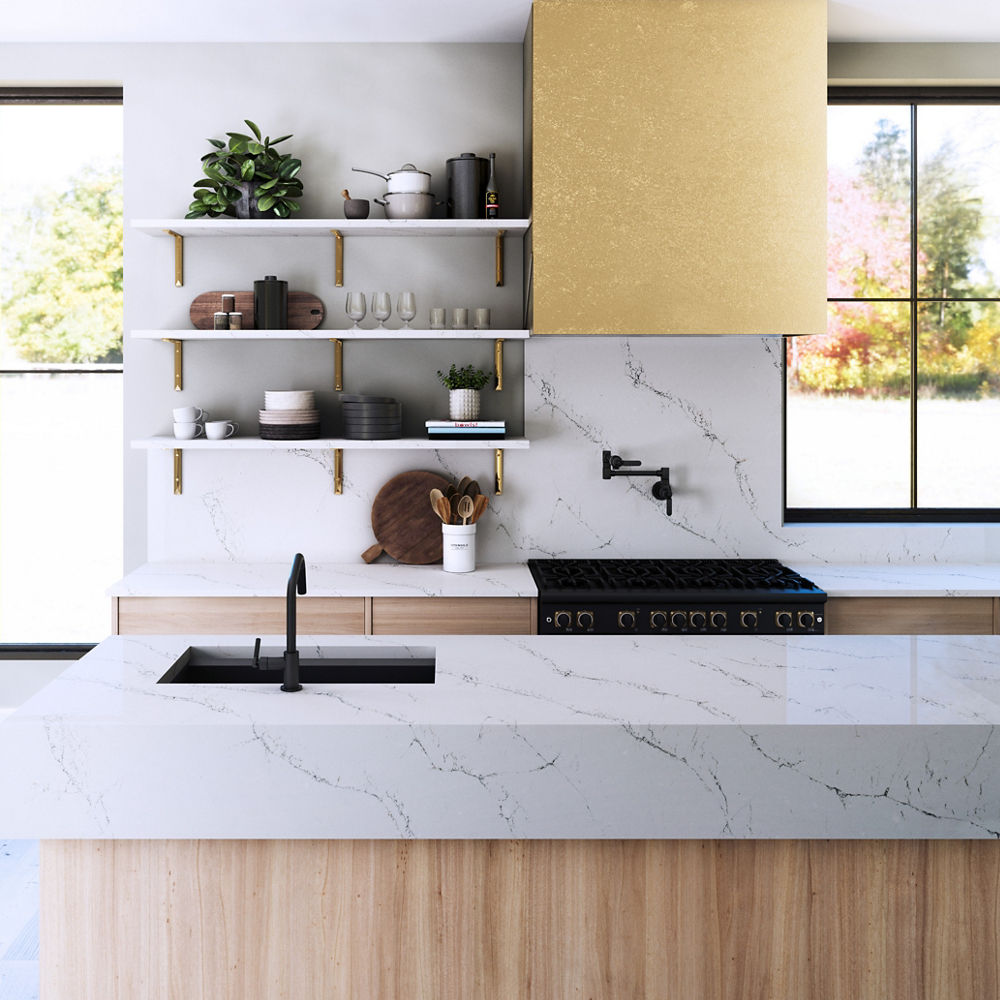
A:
x: 465, y: 430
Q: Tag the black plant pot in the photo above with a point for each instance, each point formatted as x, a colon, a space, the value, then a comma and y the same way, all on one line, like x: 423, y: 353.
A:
x: 246, y: 206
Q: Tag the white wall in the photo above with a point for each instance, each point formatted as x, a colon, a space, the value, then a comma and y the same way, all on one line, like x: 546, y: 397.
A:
x: 709, y: 408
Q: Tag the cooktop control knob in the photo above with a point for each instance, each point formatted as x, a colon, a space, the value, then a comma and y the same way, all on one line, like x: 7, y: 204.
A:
x: 657, y: 619
x: 585, y: 619
x: 679, y: 619
x: 718, y: 619
x: 806, y: 619
x: 698, y: 619
x: 563, y: 619
x: 783, y: 619
x: 626, y: 619
x: 748, y: 619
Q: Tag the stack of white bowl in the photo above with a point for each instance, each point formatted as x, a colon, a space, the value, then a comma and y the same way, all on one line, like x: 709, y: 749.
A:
x: 289, y: 415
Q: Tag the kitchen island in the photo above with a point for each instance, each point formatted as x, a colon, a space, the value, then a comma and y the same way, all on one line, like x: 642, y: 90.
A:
x: 575, y: 813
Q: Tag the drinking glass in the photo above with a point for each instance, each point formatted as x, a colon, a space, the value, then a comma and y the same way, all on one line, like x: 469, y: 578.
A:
x: 356, y: 308
x: 381, y: 307
x: 406, y: 306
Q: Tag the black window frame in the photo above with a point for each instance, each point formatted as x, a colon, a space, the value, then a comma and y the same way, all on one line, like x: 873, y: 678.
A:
x: 56, y: 96
x: 912, y: 96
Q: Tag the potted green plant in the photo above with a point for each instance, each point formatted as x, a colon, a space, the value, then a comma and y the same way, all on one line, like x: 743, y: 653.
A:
x: 247, y: 178
x: 463, y: 385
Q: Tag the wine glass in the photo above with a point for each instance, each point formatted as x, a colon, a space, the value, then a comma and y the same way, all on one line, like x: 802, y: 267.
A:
x: 406, y: 306
x: 381, y: 307
x: 356, y: 308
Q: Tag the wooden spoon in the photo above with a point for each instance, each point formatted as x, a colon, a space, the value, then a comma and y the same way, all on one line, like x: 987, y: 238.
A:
x: 436, y: 495
x: 479, y: 507
x: 471, y: 489
x: 444, y: 510
x: 462, y: 483
x: 466, y: 505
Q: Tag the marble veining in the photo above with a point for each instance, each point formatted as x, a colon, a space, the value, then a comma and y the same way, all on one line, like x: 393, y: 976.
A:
x: 532, y: 736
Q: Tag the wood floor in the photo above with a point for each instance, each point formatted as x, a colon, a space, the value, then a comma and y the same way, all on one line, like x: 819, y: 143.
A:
x: 19, y: 899
x: 521, y: 920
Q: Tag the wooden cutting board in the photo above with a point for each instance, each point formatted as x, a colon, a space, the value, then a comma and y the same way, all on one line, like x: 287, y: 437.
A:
x: 305, y: 311
x: 404, y: 524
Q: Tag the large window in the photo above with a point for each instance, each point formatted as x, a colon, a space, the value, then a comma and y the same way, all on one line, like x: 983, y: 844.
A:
x: 894, y: 412
x: 60, y: 364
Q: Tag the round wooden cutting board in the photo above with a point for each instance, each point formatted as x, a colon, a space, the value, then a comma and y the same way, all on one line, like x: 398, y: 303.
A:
x: 404, y: 524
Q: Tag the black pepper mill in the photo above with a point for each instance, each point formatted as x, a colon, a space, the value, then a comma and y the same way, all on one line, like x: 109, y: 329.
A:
x: 270, y: 303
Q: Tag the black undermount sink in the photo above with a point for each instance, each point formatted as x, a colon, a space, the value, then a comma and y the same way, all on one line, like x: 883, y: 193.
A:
x: 337, y: 665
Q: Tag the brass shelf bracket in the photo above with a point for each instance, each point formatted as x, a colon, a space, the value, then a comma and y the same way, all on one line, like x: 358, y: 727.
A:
x: 499, y: 254
x: 338, y: 364
x: 338, y: 471
x: 499, y: 461
x: 178, y: 257
x: 338, y: 258
x: 178, y: 362
x: 178, y: 469
x: 498, y: 363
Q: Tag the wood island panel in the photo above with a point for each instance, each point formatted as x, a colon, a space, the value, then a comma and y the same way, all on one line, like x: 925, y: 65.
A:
x: 238, y: 615
x: 909, y: 616
x: 453, y: 615
x: 532, y: 920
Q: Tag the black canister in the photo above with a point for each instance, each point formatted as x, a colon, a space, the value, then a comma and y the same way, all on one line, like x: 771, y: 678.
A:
x: 270, y: 304
x: 466, y: 184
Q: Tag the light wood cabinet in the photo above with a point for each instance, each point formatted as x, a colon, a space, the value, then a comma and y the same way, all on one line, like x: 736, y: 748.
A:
x: 678, y: 157
x: 532, y: 920
x: 453, y: 615
x: 239, y: 615
x: 910, y: 615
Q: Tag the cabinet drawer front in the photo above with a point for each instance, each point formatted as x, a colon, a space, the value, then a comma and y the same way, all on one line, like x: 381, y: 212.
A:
x: 909, y: 615
x: 243, y: 615
x: 451, y: 615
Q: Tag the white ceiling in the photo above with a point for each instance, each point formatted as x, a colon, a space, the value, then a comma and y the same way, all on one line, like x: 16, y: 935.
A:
x: 426, y: 20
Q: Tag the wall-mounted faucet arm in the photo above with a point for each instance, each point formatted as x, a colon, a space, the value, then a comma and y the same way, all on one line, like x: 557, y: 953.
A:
x: 296, y: 581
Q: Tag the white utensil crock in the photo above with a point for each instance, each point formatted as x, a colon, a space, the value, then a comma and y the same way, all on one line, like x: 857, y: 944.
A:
x: 459, y: 544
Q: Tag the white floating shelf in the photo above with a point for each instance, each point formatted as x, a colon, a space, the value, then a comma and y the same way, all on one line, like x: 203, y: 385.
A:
x: 165, y: 442
x: 348, y: 334
x: 323, y: 227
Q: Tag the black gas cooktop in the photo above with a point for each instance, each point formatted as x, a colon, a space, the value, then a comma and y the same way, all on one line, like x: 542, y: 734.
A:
x: 670, y: 596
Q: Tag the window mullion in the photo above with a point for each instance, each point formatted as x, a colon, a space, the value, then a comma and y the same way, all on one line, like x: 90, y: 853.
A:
x: 913, y: 306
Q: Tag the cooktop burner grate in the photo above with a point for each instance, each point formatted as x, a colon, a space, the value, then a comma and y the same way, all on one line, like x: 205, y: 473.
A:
x: 667, y: 575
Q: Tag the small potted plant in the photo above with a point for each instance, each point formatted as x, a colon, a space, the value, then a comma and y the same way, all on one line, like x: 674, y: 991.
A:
x: 463, y: 385
x: 248, y: 179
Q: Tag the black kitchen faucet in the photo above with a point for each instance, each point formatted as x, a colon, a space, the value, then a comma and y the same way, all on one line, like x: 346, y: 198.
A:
x: 296, y: 580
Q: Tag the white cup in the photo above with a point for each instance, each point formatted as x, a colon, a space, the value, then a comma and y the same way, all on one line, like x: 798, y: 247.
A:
x: 460, y: 319
x: 187, y: 429
x: 458, y: 547
x: 189, y: 414
x: 482, y: 319
x: 437, y: 318
x: 216, y: 430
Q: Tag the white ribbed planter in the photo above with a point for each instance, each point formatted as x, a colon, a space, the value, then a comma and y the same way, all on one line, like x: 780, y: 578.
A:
x: 463, y: 404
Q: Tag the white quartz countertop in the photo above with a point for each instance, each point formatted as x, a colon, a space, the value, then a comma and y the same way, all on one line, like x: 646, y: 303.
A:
x: 530, y: 736
x: 194, y: 579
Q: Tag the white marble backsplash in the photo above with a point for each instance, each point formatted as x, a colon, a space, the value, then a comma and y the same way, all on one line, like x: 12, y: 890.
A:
x: 709, y: 408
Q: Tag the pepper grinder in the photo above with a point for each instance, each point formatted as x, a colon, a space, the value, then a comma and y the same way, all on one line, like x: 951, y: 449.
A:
x: 270, y: 303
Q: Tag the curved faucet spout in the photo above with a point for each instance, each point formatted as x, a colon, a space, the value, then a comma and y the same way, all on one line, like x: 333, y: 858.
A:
x: 296, y: 581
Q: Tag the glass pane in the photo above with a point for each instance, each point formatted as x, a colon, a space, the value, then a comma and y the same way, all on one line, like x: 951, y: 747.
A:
x: 958, y: 405
x: 61, y: 237
x: 61, y: 431
x: 868, y: 219
x: 958, y: 192
x: 847, y: 437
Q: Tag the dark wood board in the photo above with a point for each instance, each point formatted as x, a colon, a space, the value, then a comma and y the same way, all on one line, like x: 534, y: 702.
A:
x: 305, y: 311
x: 404, y: 524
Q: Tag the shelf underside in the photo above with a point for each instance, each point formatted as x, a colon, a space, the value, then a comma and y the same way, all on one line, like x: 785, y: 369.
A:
x: 348, y: 334
x: 164, y: 442
x: 323, y: 227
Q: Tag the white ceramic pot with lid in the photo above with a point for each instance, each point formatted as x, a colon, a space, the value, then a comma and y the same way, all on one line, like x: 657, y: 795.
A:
x: 406, y: 180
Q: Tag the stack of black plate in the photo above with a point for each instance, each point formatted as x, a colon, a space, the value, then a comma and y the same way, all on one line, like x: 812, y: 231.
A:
x: 372, y: 418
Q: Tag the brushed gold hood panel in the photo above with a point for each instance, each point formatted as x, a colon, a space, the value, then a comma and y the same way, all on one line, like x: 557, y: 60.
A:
x: 679, y: 166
